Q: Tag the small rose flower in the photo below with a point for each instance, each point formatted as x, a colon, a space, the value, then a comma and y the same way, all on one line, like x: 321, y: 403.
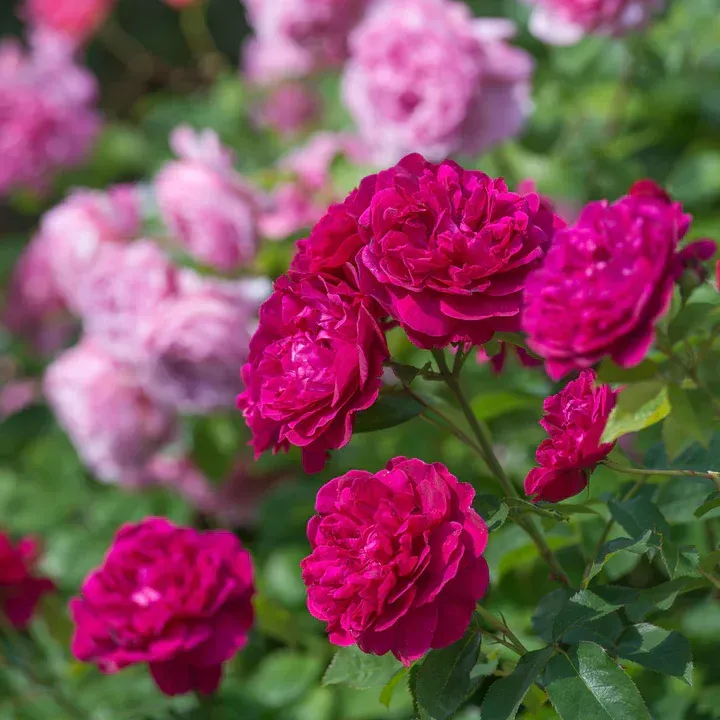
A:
x: 115, y: 426
x: 78, y: 19
x: 315, y: 361
x: 20, y: 587
x: 467, y: 90
x: 396, y: 563
x: 447, y: 251
x: 565, y: 22
x: 694, y: 256
x: 172, y: 597
x: 605, y: 281
x: 209, y: 208
x: 575, y: 420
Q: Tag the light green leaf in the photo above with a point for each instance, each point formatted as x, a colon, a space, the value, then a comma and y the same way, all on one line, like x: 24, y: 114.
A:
x: 504, y: 696
x: 443, y: 680
x: 351, y: 666
x: 492, y: 510
x: 284, y: 677
x: 610, y: 373
x: 495, y: 404
x: 386, y: 694
x: 393, y: 407
x: 664, y: 651
x: 586, y: 683
x: 639, y: 406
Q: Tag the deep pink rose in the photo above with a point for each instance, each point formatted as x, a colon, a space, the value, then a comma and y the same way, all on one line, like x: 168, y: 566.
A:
x: 694, y: 256
x: 78, y: 19
x: 173, y: 597
x: 315, y: 361
x: 76, y: 230
x: 113, y: 423
x: 605, y: 281
x: 48, y: 121
x: 35, y: 308
x: 20, y: 587
x: 465, y: 91
x: 120, y: 293
x: 449, y: 250
x: 396, y: 563
x: 565, y: 22
x: 575, y: 420
x: 209, y: 208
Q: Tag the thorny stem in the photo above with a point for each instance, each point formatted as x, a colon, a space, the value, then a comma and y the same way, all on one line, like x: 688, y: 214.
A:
x: 713, y: 475
x: 488, y: 454
x: 512, y: 641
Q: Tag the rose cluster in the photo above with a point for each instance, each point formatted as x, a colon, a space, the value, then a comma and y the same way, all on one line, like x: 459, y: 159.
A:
x: 47, y: 116
x: 575, y: 420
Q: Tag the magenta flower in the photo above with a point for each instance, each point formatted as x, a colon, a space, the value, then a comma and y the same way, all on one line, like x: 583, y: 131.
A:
x: 175, y: 598
x: 448, y: 251
x: 315, y: 361
x: 115, y: 426
x: 605, y: 282
x: 565, y: 22
x: 47, y: 116
x: 467, y: 89
x: 396, y: 563
x: 20, y: 587
x: 209, y: 208
x: 694, y: 256
x: 78, y: 19
x: 575, y: 420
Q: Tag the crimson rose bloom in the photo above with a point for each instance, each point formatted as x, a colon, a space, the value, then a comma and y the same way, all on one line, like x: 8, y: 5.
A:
x: 396, y: 560
x: 20, y: 588
x: 575, y: 420
x: 173, y: 597
x: 315, y: 361
x: 605, y: 282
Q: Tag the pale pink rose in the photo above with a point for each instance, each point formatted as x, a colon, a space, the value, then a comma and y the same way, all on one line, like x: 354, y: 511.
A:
x: 209, y: 208
x: 466, y: 90
x: 115, y: 426
x: 289, y: 108
x: 77, y: 228
x: 47, y: 116
x: 269, y: 60
x: 17, y: 395
x: 121, y: 292
x: 565, y: 22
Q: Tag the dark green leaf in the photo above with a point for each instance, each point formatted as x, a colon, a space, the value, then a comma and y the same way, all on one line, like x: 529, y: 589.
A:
x: 664, y: 651
x: 22, y: 428
x: 711, y: 502
x: 504, y: 696
x: 639, y: 514
x: 492, y: 510
x: 547, y: 610
x: 587, y: 606
x: 443, y: 680
x: 586, y: 683
x: 638, y: 546
x: 638, y: 406
x: 351, y: 666
x: 393, y: 407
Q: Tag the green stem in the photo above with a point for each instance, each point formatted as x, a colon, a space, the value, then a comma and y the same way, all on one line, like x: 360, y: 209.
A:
x: 128, y: 50
x: 501, y: 627
x: 710, y: 474
x: 193, y: 24
x: 488, y: 454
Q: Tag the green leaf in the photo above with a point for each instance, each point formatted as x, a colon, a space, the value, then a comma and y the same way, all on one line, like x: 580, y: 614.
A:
x: 21, y: 429
x: 665, y: 651
x: 492, y: 510
x: 675, y: 437
x: 587, y: 606
x: 637, y: 546
x: 711, y: 502
x: 351, y: 666
x: 661, y: 597
x: 386, y: 694
x: 443, y: 680
x: 639, y: 406
x: 283, y: 677
x: 586, y: 683
x: 639, y: 514
x: 683, y: 408
x: 504, y: 696
x: 547, y: 610
x: 489, y: 406
x: 710, y: 562
x: 610, y: 373
x: 393, y: 407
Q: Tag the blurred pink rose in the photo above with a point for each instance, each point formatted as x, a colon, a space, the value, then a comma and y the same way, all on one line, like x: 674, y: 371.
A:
x: 466, y: 90
x: 397, y: 559
x: 121, y: 291
x: 289, y: 108
x: 175, y: 598
x: 47, y: 121
x: 16, y: 395
x: 76, y: 229
x: 300, y: 202
x: 78, y: 19
x: 115, y: 426
x: 209, y: 208
x: 565, y: 22
x: 34, y: 306
x: 20, y: 587
x: 192, y: 349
